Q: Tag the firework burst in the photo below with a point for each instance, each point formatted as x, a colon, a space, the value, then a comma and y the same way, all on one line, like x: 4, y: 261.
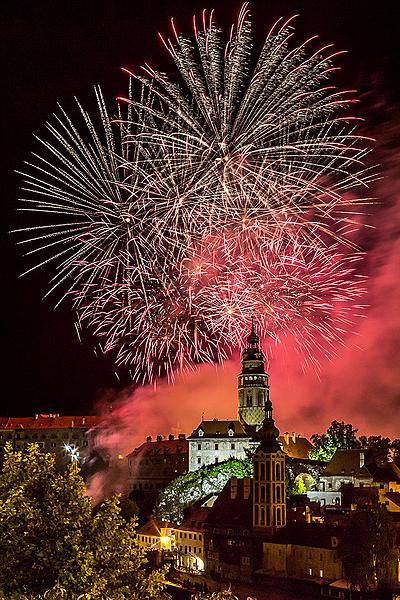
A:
x: 226, y: 196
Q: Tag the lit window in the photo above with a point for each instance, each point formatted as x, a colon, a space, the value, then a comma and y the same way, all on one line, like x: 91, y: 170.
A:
x: 321, y: 573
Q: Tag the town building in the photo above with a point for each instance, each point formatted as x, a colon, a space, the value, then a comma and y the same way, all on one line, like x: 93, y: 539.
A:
x: 359, y: 468
x: 216, y: 441
x: 230, y: 551
x: 189, y: 541
x: 156, y: 536
x: 303, y: 551
x: 213, y: 442
x: 154, y: 464
x: 269, y: 481
x: 68, y: 437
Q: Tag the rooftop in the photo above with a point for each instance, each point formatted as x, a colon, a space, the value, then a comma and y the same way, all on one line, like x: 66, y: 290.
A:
x: 176, y: 446
x: 50, y: 421
x: 218, y: 428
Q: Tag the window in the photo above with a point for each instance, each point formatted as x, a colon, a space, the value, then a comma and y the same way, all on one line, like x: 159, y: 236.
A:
x: 232, y: 446
x: 230, y: 432
x: 198, y: 446
x: 216, y: 446
x: 199, y: 460
x: 321, y: 573
x: 190, y: 536
x: 201, y: 432
x: 310, y: 571
x: 194, y: 536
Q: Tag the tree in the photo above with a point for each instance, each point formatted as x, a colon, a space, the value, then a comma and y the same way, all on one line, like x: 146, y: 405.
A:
x: 368, y: 550
x: 339, y: 436
x: 55, y: 544
x: 379, y: 446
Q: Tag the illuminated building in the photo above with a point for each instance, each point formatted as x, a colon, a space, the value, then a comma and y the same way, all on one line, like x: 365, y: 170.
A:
x: 303, y: 551
x: 156, y: 536
x: 213, y: 442
x: 269, y: 496
x: 155, y: 463
x: 68, y: 437
x: 253, y: 384
x: 189, y: 541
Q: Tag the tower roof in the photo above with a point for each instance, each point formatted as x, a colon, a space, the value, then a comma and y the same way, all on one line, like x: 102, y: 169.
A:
x: 253, y: 337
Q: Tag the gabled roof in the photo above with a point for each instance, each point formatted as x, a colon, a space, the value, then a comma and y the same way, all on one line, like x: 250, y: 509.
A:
x: 393, y: 497
x: 296, y: 446
x: 51, y: 421
x: 312, y: 535
x: 161, y: 448
x: 228, y: 512
x: 218, y: 428
x: 153, y: 527
x: 195, y: 521
x: 347, y: 463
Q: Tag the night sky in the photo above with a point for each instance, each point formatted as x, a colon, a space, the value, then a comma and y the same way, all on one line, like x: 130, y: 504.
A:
x: 55, y: 50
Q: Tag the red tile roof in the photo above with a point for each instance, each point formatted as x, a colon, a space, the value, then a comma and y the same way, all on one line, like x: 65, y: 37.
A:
x: 162, y: 447
x: 51, y: 421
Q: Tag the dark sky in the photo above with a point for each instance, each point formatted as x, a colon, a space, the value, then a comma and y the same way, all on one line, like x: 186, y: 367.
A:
x: 55, y: 50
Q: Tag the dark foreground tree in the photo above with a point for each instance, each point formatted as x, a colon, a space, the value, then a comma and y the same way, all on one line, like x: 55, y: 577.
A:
x: 368, y: 550
x: 338, y: 436
x: 55, y: 544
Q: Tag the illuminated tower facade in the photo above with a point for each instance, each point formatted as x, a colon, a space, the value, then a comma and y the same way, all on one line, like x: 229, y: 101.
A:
x: 269, y: 483
x: 253, y: 387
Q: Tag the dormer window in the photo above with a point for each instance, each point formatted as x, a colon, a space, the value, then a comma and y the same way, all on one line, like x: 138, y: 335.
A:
x: 201, y: 432
x: 230, y: 432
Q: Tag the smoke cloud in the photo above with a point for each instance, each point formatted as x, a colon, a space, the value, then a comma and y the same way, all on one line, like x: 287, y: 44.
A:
x: 361, y: 384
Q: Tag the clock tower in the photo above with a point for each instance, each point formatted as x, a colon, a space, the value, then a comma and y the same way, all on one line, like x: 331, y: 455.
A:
x: 253, y: 386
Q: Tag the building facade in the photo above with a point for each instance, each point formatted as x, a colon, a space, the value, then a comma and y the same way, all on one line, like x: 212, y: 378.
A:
x: 269, y: 482
x: 216, y: 441
x: 68, y: 437
x: 189, y: 542
x: 253, y: 384
x: 155, y: 463
x: 303, y: 551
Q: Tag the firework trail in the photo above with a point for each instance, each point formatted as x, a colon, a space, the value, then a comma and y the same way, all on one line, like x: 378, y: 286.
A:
x: 206, y: 203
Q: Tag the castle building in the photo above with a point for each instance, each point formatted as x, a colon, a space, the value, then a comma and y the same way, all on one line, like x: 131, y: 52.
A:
x: 215, y: 441
x: 269, y: 482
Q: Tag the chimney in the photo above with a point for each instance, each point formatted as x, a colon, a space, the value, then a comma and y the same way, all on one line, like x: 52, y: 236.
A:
x: 362, y: 459
x: 181, y: 436
x: 148, y: 439
x: 286, y: 438
x: 159, y: 438
x: 294, y: 436
x: 170, y: 437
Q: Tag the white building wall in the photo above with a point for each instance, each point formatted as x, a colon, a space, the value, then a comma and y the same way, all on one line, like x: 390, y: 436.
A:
x: 209, y: 451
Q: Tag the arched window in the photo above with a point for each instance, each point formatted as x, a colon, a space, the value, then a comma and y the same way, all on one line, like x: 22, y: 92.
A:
x: 256, y: 515
x: 262, y: 517
x: 262, y: 493
x: 278, y: 493
x: 262, y: 471
x: 278, y: 516
x: 278, y: 471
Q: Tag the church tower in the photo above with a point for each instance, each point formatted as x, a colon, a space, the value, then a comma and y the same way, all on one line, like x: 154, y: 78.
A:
x: 269, y: 482
x: 253, y: 388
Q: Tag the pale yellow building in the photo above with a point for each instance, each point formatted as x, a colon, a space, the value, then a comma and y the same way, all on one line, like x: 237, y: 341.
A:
x: 189, y: 542
x: 156, y: 536
x: 303, y: 550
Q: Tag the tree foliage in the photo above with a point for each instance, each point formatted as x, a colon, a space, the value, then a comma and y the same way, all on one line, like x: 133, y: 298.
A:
x: 195, y: 485
x: 368, y: 549
x: 338, y: 436
x: 55, y: 544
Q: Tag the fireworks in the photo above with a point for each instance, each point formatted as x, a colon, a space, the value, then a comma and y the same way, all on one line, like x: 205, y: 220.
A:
x: 223, y: 196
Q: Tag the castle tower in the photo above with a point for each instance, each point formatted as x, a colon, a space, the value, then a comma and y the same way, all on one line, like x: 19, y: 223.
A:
x: 269, y: 483
x: 253, y: 388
